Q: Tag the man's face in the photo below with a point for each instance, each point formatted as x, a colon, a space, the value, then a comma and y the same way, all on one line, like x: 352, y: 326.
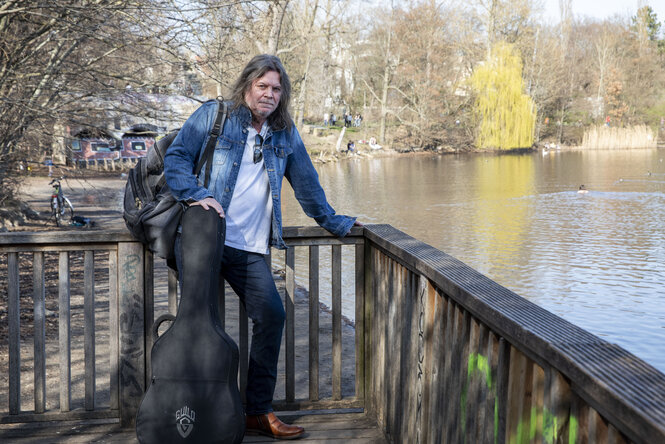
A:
x: 263, y: 96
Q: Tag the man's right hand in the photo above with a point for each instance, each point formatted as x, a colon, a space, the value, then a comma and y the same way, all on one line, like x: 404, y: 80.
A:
x: 209, y: 203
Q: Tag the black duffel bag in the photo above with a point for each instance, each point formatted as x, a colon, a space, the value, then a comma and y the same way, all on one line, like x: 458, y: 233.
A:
x: 151, y: 212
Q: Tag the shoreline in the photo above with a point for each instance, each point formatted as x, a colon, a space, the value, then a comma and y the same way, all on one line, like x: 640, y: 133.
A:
x: 91, y: 190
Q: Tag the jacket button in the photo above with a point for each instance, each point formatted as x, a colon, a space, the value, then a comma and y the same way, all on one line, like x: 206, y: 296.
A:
x: 235, y: 164
x: 227, y: 189
x: 244, y: 131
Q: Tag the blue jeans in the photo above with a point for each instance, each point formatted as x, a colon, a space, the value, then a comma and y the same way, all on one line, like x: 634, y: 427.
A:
x: 251, y: 279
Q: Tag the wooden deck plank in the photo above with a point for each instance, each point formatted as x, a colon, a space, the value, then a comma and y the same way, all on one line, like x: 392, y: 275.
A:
x: 320, y: 428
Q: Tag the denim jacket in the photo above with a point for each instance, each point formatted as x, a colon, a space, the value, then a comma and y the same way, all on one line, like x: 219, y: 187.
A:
x: 284, y: 156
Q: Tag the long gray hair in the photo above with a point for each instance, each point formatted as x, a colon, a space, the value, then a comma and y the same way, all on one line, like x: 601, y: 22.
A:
x: 256, y: 68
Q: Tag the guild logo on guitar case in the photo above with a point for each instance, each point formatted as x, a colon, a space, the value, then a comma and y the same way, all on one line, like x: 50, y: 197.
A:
x: 184, y: 421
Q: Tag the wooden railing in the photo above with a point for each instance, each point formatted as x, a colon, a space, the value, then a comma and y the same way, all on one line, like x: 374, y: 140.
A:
x: 441, y: 353
x: 62, y: 313
x: 114, y: 280
x: 478, y: 363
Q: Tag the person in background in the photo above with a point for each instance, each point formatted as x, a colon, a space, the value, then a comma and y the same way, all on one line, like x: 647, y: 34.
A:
x: 373, y: 145
x: 49, y: 164
x: 258, y: 148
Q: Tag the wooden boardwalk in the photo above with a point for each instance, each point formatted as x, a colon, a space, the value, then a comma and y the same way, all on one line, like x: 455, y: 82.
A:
x: 352, y: 428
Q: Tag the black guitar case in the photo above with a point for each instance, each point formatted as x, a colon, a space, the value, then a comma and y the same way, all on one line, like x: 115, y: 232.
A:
x: 193, y: 394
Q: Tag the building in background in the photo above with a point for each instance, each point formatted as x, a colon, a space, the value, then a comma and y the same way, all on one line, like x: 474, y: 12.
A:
x: 138, y: 140
x: 93, y: 144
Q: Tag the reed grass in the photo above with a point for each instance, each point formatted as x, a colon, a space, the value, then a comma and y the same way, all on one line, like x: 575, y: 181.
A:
x: 606, y: 138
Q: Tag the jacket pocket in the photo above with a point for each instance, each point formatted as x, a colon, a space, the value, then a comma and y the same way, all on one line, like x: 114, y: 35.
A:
x: 222, y: 150
x: 282, y: 151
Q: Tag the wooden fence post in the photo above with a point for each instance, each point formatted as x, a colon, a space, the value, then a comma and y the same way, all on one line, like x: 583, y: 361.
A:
x: 131, y: 305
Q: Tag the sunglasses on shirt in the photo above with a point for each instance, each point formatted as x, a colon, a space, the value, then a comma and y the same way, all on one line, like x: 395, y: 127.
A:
x: 258, y: 148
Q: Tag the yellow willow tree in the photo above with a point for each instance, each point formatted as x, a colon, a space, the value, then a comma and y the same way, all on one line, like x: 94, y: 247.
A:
x: 506, y: 116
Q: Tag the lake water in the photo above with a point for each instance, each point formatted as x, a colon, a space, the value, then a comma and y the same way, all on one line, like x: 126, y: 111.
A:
x: 596, y: 259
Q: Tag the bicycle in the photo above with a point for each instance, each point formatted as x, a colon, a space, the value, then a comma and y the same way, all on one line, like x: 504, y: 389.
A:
x: 60, y: 204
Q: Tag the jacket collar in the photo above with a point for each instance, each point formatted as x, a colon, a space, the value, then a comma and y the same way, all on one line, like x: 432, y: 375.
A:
x: 244, y: 115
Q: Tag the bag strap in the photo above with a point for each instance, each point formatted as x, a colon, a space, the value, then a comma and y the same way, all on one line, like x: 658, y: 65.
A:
x: 209, y: 149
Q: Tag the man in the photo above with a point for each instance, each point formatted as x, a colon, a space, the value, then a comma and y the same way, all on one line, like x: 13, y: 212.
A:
x: 350, y: 147
x: 258, y: 147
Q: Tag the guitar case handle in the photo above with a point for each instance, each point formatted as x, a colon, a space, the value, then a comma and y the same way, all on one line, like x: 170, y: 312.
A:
x: 160, y: 320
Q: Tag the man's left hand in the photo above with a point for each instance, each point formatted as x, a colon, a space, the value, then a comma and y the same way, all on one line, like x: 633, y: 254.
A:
x: 355, y: 224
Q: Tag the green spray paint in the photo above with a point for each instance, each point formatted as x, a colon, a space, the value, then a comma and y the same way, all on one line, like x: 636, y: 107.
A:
x: 550, y: 428
x: 572, y: 431
x: 480, y: 364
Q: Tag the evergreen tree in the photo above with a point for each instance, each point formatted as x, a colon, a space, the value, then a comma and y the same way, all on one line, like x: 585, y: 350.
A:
x: 647, y: 20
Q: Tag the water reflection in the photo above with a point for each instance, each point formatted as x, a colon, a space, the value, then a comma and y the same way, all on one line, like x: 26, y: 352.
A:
x: 597, y: 259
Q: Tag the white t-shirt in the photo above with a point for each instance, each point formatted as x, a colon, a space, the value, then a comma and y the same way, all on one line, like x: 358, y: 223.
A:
x: 250, y: 211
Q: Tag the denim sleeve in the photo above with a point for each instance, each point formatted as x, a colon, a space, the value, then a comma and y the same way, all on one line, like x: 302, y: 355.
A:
x: 183, y: 154
x: 304, y: 179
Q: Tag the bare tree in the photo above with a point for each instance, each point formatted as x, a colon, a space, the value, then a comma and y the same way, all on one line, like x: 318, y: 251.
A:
x: 383, y: 58
x: 605, y: 38
x: 277, y: 11
x: 262, y: 23
x: 566, y: 82
x: 510, y: 21
x: 304, y: 25
x: 428, y: 76
x: 73, y: 62
x: 642, y: 69
x: 212, y: 33
x: 65, y: 62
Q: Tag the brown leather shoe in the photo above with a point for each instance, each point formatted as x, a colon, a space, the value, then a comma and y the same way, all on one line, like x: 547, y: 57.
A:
x: 269, y: 425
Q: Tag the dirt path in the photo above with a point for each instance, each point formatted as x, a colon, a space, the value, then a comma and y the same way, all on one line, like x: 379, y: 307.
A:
x: 98, y: 198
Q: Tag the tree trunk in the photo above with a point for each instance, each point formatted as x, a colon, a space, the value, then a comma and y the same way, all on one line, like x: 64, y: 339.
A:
x: 278, y: 13
x: 491, y: 27
x: 562, y: 114
x: 384, y: 92
x: 300, y: 102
